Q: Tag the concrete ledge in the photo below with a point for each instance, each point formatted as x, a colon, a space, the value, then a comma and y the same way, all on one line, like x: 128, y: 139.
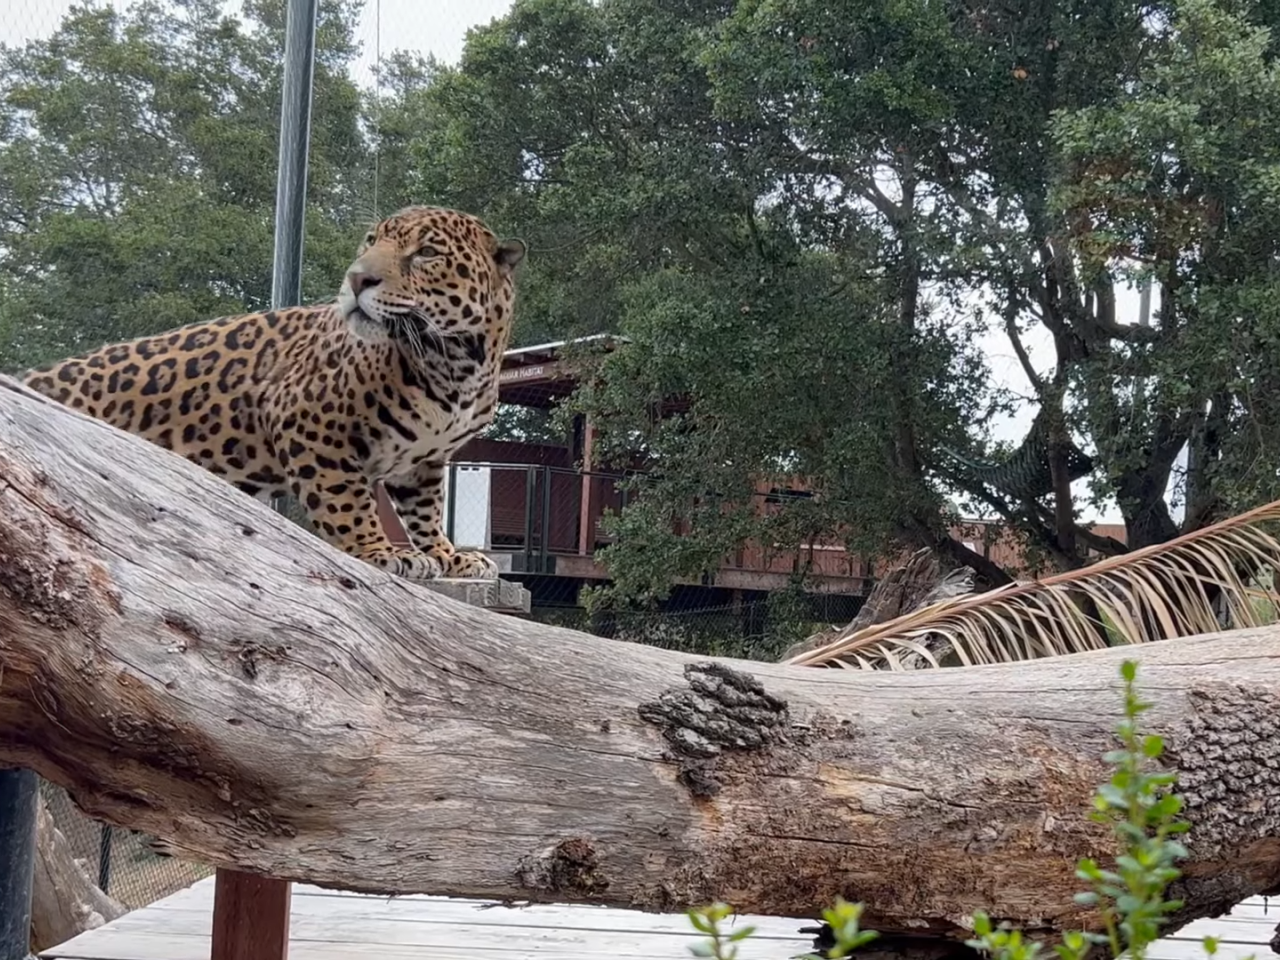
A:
x: 500, y: 596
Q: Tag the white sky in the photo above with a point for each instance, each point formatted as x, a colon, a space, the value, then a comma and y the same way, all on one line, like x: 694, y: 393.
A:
x: 440, y: 27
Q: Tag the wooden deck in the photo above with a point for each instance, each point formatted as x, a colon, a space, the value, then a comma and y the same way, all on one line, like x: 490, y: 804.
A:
x: 327, y: 925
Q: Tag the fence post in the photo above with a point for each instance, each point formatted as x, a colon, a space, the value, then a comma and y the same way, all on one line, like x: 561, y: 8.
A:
x: 543, y: 564
x: 251, y: 913
x: 104, y: 857
x: 451, y: 502
x: 530, y: 488
x: 19, y: 794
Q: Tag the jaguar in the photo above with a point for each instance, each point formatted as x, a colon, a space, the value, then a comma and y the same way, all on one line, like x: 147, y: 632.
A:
x: 381, y: 385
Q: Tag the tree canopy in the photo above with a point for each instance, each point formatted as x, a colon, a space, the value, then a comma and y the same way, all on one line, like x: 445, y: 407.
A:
x: 805, y: 218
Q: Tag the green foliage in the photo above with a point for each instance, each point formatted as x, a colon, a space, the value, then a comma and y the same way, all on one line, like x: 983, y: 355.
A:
x: 802, y: 215
x: 844, y: 919
x: 657, y: 219
x: 1139, y: 804
x: 1179, y: 182
x: 1143, y: 812
x: 719, y: 945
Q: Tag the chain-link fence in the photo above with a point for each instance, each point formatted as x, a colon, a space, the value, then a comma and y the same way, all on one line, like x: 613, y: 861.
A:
x: 751, y: 625
x: 121, y: 862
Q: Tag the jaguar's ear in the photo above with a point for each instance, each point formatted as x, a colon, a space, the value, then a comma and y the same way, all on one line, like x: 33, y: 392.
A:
x: 509, y: 253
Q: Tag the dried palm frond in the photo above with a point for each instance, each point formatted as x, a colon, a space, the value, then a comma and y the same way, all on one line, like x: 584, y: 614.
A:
x: 1213, y: 578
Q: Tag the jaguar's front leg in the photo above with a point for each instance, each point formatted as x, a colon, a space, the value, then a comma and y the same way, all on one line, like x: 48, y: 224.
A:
x: 342, y: 508
x: 419, y: 500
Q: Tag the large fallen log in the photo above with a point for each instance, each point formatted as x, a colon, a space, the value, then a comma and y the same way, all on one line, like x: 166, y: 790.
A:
x: 190, y: 664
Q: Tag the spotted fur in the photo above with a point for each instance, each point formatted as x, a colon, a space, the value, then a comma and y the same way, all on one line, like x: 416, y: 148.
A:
x: 383, y: 384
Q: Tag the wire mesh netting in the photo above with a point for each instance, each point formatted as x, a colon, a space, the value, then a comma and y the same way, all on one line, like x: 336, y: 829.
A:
x: 121, y: 862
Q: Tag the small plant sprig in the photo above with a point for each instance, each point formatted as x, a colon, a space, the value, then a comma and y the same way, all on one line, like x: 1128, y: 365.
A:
x: 844, y: 919
x: 1001, y: 942
x: 1145, y: 817
x: 718, y: 945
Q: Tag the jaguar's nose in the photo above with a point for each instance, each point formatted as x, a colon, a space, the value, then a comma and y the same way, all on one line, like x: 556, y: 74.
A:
x: 359, y: 281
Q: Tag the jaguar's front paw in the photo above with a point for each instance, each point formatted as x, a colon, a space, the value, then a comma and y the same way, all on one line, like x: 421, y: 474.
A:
x: 470, y: 565
x: 420, y: 566
x: 410, y: 564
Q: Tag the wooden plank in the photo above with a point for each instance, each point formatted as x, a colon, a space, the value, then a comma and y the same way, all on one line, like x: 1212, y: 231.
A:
x: 369, y: 929
x: 381, y: 931
x: 250, y: 917
x: 1229, y: 930
x: 1193, y: 950
x: 128, y: 942
x: 1246, y: 923
x: 375, y: 926
x: 508, y: 925
x: 1259, y: 910
x: 146, y: 946
x: 445, y: 910
x: 380, y: 928
x: 327, y: 924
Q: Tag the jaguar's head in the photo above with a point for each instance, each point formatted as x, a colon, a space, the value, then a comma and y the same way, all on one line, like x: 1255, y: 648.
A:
x: 426, y: 273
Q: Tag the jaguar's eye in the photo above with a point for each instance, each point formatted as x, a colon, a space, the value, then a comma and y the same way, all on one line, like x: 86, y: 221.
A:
x: 427, y: 253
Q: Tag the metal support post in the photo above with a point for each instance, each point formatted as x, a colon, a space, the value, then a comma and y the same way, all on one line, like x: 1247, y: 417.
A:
x: 295, y: 140
x: 19, y: 794
x: 106, y: 836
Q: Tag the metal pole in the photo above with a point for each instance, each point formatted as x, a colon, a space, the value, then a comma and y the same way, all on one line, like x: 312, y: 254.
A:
x: 546, y: 520
x: 295, y: 138
x: 530, y: 491
x: 19, y: 794
x: 451, y: 501
x: 291, y: 161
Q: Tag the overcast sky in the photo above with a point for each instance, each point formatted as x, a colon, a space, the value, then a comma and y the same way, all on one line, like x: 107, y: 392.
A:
x: 439, y: 27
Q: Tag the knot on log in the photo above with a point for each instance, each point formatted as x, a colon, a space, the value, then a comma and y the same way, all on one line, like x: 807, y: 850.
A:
x: 1227, y: 757
x: 720, y: 709
x: 570, y: 865
x: 50, y: 584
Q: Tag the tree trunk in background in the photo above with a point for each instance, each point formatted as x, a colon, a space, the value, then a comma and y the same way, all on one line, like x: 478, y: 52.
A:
x: 64, y: 901
x: 192, y: 665
x: 917, y: 583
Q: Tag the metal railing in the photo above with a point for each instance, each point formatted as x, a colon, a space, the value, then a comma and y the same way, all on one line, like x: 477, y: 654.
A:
x: 536, y: 514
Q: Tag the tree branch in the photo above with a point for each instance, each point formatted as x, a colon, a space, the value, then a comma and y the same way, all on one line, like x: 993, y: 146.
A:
x: 1015, y: 339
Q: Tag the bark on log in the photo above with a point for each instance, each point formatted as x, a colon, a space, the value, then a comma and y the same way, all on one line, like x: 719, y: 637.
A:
x: 190, y: 664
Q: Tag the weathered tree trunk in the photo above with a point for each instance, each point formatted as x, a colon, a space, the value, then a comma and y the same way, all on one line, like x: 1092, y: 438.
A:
x: 190, y: 664
x: 917, y: 583
x: 64, y: 901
